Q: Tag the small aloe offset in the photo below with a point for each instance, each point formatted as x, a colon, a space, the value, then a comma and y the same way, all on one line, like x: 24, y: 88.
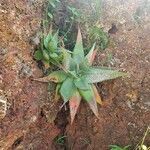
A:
x: 76, y: 78
x: 49, y: 51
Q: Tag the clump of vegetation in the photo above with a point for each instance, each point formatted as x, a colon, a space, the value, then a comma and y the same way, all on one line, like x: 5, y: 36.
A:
x: 49, y: 52
x: 97, y: 35
x: 116, y: 147
x: 140, y: 145
x: 76, y: 77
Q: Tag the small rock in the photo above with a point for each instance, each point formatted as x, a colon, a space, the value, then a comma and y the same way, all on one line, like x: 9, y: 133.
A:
x: 35, y: 40
x: 25, y: 71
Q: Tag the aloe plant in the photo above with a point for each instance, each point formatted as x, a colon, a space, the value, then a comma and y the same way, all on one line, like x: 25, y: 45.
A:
x: 49, y: 51
x: 75, y: 79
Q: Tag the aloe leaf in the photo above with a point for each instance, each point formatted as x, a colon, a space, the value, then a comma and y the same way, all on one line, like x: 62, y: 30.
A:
x: 56, y: 76
x: 38, y: 55
x: 67, y: 89
x: 52, y: 45
x: 66, y: 59
x: 74, y: 103
x: 93, y: 105
x: 97, y: 96
x: 45, y: 55
x: 89, y: 96
x: 81, y: 83
x: 95, y: 75
x: 72, y: 74
x: 91, y: 55
x: 53, y: 55
x: 72, y: 65
x: 47, y: 40
x: 78, y: 53
x: 57, y: 91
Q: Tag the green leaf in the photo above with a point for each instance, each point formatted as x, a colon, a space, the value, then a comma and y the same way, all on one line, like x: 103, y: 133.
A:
x: 51, y: 42
x: 72, y: 65
x: 66, y: 59
x: 72, y: 74
x: 104, y: 40
x: 116, y: 147
x: 50, y: 15
x: 53, y: 55
x: 47, y: 40
x: 45, y: 55
x: 67, y: 89
x: 52, y: 4
x: 82, y: 83
x: 97, y: 34
x: 93, y: 105
x: 126, y: 147
x: 78, y: 53
x: 52, y: 45
x: 87, y: 94
x: 56, y: 76
x: 38, y: 55
x: 95, y: 75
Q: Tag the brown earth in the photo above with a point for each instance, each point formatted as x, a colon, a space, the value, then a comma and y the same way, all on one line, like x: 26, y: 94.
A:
x: 124, y: 116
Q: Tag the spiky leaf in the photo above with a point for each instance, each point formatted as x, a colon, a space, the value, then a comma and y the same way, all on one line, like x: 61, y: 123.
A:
x: 91, y: 55
x: 66, y: 59
x: 67, y: 89
x: 74, y: 103
x: 52, y: 45
x: 81, y: 83
x: 96, y: 94
x: 87, y: 94
x: 95, y: 75
x: 56, y: 76
x: 78, y: 53
x: 93, y: 105
x: 47, y: 40
x: 45, y: 55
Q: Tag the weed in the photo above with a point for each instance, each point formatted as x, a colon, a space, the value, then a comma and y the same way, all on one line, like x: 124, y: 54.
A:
x: 99, y: 36
x: 141, y: 145
x: 61, y: 140
x: 115, y: 147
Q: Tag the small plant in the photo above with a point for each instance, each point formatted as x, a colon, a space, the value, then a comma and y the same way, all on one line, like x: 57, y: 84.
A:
x: 115, y: 147
x: 75, y: 79
x: 141, y: 145
x: 61, y: 140
x: 49, y: 51
x: 97, y: 34
x: 51, y: 8
x: 74, y: 13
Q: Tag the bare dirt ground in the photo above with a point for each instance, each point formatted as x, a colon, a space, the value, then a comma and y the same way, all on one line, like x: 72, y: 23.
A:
x: 125, y: 114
